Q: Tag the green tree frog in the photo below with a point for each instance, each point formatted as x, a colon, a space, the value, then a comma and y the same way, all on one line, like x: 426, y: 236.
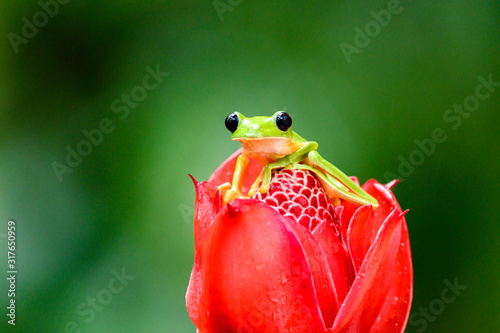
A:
x: 271, y: 141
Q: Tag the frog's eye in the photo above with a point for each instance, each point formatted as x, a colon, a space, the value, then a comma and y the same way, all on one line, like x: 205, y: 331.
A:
x: 283, y: 121
x: 232, y: 122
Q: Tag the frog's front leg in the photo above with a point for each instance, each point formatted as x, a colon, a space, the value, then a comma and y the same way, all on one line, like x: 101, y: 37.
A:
x: 295, y: 157
x: 339, y: 182
x: 233, y: 190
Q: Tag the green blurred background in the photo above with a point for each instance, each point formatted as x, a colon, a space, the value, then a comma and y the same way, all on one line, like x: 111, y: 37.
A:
x: 128, y: 205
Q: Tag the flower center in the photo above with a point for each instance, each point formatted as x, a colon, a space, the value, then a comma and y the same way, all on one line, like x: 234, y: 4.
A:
x: 298, y: 195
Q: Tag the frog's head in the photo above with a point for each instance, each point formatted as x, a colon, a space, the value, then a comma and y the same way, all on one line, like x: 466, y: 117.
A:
x: 279, y: 125
x: 265, y: 139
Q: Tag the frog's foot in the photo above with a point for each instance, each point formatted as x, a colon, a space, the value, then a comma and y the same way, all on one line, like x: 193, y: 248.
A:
x: 259, y: 185
x: 224, y: 188
x: 253, y: 190
x: 264, y: 188
x: 262, y: 183
x: 229, y: 193
x: 256, y: 185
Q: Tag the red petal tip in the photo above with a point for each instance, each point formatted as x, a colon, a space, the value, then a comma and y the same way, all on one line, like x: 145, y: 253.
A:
x: 393, y: 183
x: 192, y: 178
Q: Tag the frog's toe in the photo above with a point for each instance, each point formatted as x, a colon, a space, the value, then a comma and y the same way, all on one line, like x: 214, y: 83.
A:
x: 264, y: 189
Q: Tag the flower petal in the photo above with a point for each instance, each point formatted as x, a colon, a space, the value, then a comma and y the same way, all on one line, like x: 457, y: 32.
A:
x: 345, y: 213
x: 386, y: 200
x: 254, y: 275
x: 396, y: 309
x: 207, y: 204
x: 195, y: 304
x: 336, y: 255
x: 360, y: 234
x: 364, y: 223
x: 321, y: 274
x: 348, y: 211
x: 373, y: 281
x: 392, y: 183
x: 224, y: 173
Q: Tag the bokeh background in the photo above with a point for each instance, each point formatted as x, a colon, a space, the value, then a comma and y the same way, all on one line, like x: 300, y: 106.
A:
x: 128, y: 205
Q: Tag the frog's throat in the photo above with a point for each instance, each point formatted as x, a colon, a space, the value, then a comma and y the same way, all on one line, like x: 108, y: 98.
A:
x: 269, y: 149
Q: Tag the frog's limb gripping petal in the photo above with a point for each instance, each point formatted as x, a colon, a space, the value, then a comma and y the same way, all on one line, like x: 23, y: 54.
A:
x: 226, y: 191
x: 267, y: 177
x: 233, y: 190
x: 295, y: 157
x: 224, y: 187
x: 239, y: 172
x: 348, y: 189
x: 336, y: 182
x: 229, y: 196
x: 331, y: 189
x: 256, y: 185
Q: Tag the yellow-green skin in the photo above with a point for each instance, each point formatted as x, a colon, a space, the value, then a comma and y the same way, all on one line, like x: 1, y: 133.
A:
x: 263, y: 141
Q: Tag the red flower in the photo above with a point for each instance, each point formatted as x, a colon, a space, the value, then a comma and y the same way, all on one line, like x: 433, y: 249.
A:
x: 288, y: 261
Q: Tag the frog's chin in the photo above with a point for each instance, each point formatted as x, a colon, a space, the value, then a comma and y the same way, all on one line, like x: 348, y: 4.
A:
x: 266, y: 150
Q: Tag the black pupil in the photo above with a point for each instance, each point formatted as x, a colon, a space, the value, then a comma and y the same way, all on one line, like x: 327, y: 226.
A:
x: 283, y: 121
x: 232, y: 122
